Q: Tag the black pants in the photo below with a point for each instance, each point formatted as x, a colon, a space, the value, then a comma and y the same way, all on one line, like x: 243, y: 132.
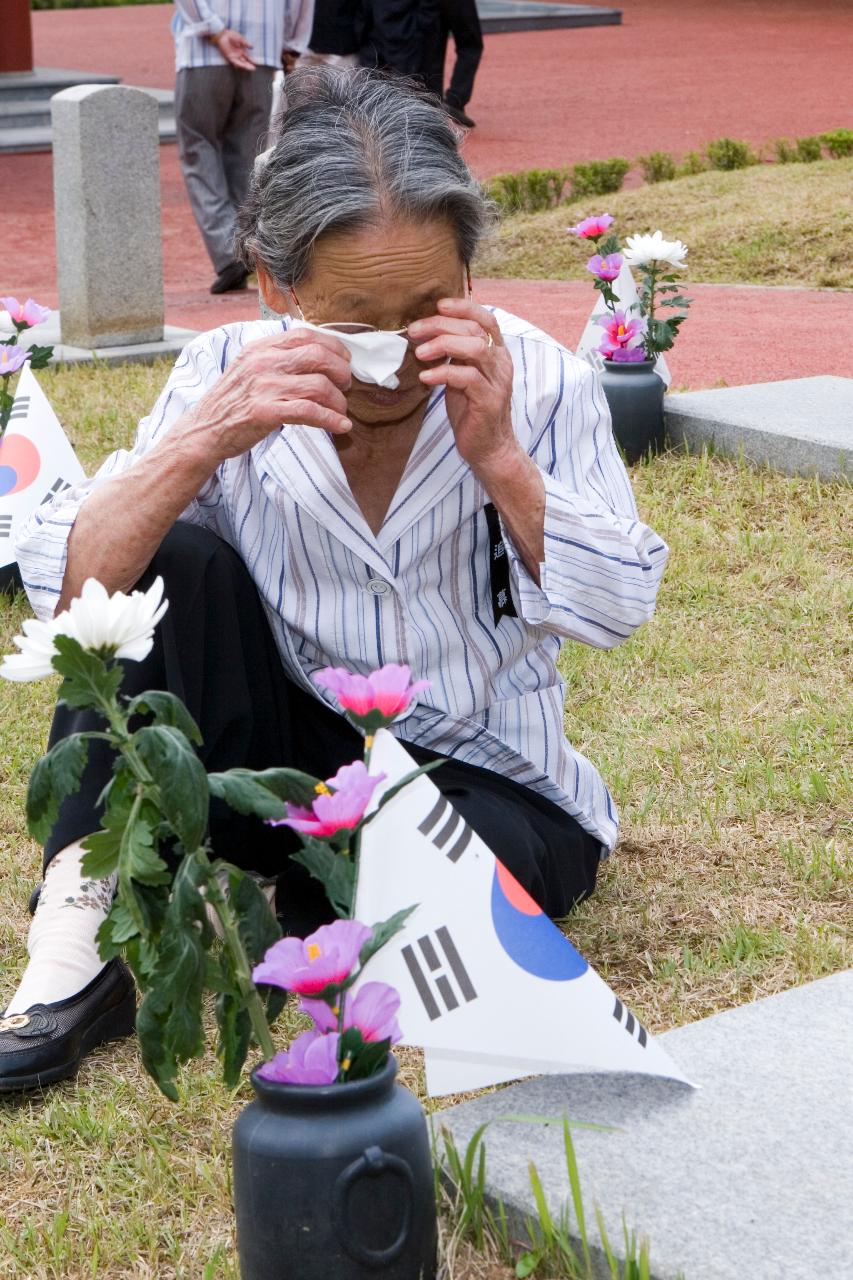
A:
x: 457, y: 18
x: 214, y: 649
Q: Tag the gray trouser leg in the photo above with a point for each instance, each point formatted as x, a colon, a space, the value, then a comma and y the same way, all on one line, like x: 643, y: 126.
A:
x: 222, y: 116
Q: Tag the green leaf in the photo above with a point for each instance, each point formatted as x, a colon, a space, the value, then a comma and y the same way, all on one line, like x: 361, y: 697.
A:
x: 54, y: 777
x: 527, y: 1264
x: 40, y: 357
x: 89, y: 681
x: 171, y: 1028
x: 360, y: 1058
x: 161, y: 1065
x: 610, y: 244
x: 235, y: 1034
x: 118, y: 927
x: 166, y: 709
x: 335, y: 871
x: 263, y: 793
x: 383, y: 933
x: 137, y: 855
x: 256, y: 923
x: 181, y: 779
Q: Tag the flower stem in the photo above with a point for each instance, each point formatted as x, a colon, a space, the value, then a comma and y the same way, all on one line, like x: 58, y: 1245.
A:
x: 240, y: 961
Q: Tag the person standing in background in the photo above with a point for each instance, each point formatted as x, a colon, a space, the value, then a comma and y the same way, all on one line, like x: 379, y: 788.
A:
x: 457, y: 18
x: 226, y: 55
x: 337, y: 34
x: 398, y: 33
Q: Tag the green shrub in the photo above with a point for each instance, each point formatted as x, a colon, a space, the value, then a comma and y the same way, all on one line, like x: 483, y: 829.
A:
x: 839, y: 143
x: 808, y: 150
x: 531, y: 191
x: 729, y: 153
x: 544, y: 188
x: 658, y: 166
x: 505, y: 190
x: 693, y: 162
x: 599, y: 177
x: 785, y: 153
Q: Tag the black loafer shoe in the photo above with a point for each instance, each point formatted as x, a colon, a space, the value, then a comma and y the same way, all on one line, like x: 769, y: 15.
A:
x: 49, y: 1041
x: 459, y: 115
x: 234, y: 276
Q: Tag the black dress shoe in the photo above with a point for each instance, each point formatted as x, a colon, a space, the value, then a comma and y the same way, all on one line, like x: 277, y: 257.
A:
x: 49, y: 1041
x: 459, y: 115
x: 234, y: 276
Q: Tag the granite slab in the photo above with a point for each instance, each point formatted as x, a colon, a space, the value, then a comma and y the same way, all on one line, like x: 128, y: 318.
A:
x: 527, y: 15
x: 749, y: 1177
x: 49, y: 334
x: 801, y: 426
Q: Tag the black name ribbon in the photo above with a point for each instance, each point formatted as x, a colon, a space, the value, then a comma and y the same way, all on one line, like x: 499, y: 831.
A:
x: 502, y: 603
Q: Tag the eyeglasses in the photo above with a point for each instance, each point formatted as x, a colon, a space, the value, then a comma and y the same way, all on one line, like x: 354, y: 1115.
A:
x: 352, y: 326
x: 348, y: 326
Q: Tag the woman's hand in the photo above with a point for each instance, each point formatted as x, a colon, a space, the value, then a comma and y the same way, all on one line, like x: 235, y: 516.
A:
x: 479, y: 406
x: 478, y: 381
x: 298, y: 377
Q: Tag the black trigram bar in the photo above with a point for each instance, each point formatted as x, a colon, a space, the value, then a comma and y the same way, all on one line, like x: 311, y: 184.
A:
x: 631, y: 1025
x: 5, y: 526
x: 439, y: 953
x: 57, y: 487
x: 20, y: 408
x: 449, y: 828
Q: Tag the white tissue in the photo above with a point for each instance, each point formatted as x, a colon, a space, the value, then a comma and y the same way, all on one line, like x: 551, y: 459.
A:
x: 376, y: 355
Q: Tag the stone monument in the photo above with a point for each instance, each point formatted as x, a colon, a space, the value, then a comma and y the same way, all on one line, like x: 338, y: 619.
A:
x: 106, y: 179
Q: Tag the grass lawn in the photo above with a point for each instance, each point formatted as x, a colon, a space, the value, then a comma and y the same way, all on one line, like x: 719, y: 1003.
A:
x: 721, y: 728
x: 770, y: 224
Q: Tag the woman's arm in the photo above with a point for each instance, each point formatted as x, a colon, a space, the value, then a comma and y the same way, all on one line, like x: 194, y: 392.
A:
x: 110, y: 528
x: 583, y: 563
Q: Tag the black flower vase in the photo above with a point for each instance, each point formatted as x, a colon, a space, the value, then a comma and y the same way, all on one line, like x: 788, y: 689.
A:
x: 334, y: 1182
x: 10, y: 579
x: 635, y: 395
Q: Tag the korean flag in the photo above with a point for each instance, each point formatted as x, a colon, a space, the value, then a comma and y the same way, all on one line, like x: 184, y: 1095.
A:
x: 36, y: 461
x: 490, y: 987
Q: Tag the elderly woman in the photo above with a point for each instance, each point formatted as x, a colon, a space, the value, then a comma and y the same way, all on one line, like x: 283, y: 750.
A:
x: 465, y: 521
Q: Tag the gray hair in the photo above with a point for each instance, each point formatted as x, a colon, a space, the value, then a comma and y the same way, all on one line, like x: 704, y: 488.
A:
x: 354, y: 147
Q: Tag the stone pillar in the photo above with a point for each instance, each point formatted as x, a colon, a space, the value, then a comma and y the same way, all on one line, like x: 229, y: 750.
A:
x: 106, y: 182
x: 16, y: 44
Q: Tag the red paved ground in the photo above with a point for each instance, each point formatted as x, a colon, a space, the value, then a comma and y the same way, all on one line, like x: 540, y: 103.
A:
x: 674, y: 75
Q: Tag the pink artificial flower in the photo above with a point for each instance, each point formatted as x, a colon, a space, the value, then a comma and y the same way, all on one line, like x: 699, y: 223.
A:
x: 619, y: 331
x: 373, y: 1009
x: 311, y: 1059
x: 12, y: 357
x: 325, y: 958
x: 373, y: 700
x: 628, y: 355
x: 592, y: 228
x: 605, y: 268
x: 28, y: 313
x: 340, y: 808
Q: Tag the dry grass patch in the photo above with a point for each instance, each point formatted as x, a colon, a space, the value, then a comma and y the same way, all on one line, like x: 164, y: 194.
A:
x: 770, y: 224
x: 723, y: 728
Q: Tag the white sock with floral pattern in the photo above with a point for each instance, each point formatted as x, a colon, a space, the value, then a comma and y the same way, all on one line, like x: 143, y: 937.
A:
x: 61, y: 944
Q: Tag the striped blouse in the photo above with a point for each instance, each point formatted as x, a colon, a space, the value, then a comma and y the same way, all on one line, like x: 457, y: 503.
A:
x: 419, y: 591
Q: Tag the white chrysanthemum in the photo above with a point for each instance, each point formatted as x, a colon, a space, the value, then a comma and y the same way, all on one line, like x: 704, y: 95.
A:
x: 641, y: 250
x: 119, y: 624
x: 37, y: 649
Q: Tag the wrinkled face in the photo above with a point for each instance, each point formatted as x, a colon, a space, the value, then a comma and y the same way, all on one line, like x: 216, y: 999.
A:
x: 386, y: 277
